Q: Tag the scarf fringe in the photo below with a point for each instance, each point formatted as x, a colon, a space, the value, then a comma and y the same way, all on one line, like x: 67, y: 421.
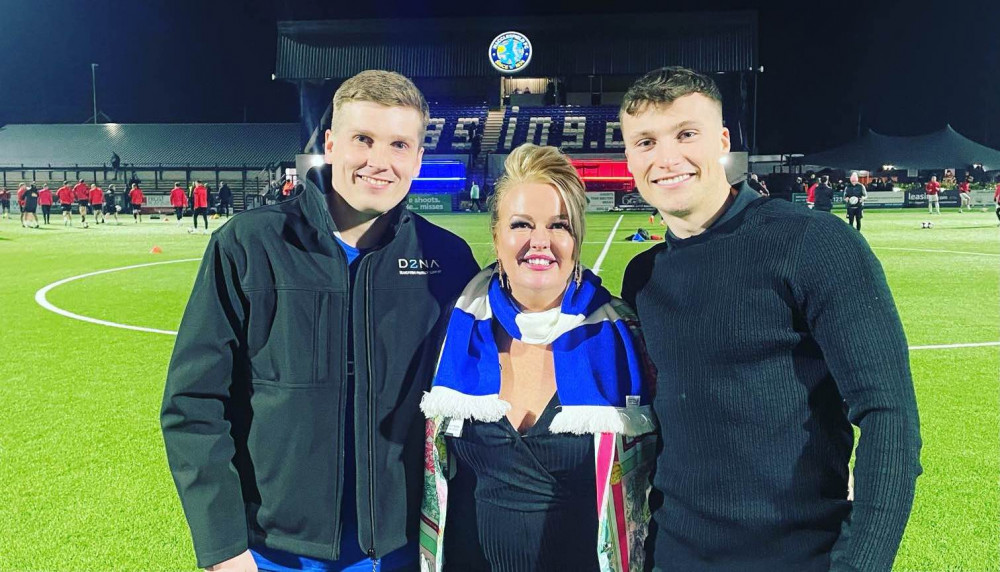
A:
x: 594, y: 419
x: 443, y: 401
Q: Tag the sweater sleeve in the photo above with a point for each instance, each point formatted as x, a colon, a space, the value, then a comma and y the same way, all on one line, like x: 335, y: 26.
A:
x: 851, y: 314
x: 636, y: 275
x: 196, y: 414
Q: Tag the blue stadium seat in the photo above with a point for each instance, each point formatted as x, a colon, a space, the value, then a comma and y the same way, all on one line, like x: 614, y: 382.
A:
x: 577, y: 130
x: 450, y: 128
x: 574, y: 129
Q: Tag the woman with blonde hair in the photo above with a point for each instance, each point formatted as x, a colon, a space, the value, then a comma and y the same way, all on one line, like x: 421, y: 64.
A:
x: 540, y: 431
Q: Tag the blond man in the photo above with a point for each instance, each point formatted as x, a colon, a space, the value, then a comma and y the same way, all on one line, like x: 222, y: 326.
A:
x: 290, y: 414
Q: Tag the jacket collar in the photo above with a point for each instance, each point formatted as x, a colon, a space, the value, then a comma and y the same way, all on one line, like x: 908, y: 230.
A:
x: 316, y: 211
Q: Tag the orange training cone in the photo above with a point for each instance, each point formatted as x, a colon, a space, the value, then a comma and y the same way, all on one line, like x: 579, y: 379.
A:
x: 156, y: 250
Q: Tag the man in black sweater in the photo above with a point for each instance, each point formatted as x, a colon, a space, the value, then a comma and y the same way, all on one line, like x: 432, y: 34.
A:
x: 225, y: 199
x: 773, y: 331
x: 824, y: 195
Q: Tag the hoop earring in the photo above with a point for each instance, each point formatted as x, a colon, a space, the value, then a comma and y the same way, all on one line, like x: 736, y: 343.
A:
x: 578, y: 274
x: 502, y: 276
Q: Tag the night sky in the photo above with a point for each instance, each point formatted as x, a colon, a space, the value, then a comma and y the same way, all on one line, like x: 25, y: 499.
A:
x: 903, y: 67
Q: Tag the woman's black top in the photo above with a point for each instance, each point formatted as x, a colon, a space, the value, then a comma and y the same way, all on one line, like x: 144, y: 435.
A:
x: 521, y: 503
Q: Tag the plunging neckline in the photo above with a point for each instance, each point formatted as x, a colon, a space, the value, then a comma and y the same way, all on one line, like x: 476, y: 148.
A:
x: 544, y: 420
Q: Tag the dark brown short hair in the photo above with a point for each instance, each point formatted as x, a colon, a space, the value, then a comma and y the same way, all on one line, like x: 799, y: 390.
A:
x: 663, y: 86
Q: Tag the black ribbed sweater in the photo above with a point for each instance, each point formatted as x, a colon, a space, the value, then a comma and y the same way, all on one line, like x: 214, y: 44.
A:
x: 772, y: 332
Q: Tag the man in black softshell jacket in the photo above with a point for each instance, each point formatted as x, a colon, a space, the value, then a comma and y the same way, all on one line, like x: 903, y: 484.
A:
x: 290, y: 414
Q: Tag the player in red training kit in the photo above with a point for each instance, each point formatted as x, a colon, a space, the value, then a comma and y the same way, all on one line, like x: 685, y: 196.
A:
x: 21, y: 189
x: 97, y: 202
x: 200, y: 205
x: 81, y: 192
x: 136, y: 197
x: 811, y: 194
x: 4, y: 203
x: 933, y: 188
x: 964, y: 195
x: 65, y: 196
x: 45, y: 201
x: 178, y: 200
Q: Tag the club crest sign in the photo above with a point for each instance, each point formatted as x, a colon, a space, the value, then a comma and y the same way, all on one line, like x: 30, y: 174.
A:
x: 510, y: 52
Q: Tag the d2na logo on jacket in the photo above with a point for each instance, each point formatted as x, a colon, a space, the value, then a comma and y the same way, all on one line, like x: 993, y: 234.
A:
x: 418, y: 266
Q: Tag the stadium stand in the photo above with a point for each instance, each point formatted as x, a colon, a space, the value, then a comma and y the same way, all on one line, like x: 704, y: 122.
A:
x: 451, y: 128
x: 205, y: 144
x: 574, y: 129
x: 577, y: 129
x: 248, y: 156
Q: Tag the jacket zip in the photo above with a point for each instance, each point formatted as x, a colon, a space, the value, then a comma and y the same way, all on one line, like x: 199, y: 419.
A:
x: 371, y: 414
x: 347, y: 370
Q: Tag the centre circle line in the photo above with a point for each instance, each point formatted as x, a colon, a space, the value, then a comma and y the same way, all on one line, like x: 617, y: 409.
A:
x: 42, y: 300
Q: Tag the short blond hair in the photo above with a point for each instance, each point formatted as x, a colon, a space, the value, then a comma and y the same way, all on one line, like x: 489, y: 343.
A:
x: 548, y: 166
x: 384, y: 88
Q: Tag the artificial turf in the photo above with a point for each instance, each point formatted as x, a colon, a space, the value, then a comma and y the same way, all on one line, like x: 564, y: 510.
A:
x: 84, y: 483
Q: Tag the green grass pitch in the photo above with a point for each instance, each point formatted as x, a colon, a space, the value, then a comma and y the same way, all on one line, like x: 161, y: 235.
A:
x: 84, y: 483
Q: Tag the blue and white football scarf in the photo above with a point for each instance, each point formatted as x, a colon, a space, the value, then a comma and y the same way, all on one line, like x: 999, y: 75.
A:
x: 598, y: 368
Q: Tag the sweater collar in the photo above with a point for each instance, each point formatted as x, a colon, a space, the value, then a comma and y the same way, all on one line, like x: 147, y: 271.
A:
x: 742, y: 197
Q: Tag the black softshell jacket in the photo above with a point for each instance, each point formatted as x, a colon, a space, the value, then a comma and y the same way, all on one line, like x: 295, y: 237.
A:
x: 255, y: 398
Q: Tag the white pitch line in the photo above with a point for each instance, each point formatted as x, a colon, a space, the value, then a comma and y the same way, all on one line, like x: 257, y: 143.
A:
x: 600, y: 259
x: 40, y: 297
x: 952, y: 346
x: 873, y: 248
x: 935, y: 251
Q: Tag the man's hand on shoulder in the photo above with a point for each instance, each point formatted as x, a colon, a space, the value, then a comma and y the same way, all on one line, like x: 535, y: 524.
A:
x: 241, y: 563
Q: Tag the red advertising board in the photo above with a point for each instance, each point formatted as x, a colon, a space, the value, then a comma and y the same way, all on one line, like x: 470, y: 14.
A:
x: 604, y: 174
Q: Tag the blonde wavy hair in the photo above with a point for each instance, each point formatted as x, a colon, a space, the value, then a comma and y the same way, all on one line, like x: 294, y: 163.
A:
x: 548, y: 166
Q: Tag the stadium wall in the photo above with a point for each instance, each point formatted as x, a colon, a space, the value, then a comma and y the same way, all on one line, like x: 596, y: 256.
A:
x: 565, y: 45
